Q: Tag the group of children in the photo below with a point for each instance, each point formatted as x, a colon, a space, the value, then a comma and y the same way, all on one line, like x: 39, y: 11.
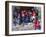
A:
x: 27, y: 16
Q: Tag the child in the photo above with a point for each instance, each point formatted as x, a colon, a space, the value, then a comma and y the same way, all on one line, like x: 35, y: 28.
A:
x: 37, y: 24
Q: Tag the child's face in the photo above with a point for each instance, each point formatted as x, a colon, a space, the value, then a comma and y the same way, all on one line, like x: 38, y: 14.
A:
x: 34, y: 14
